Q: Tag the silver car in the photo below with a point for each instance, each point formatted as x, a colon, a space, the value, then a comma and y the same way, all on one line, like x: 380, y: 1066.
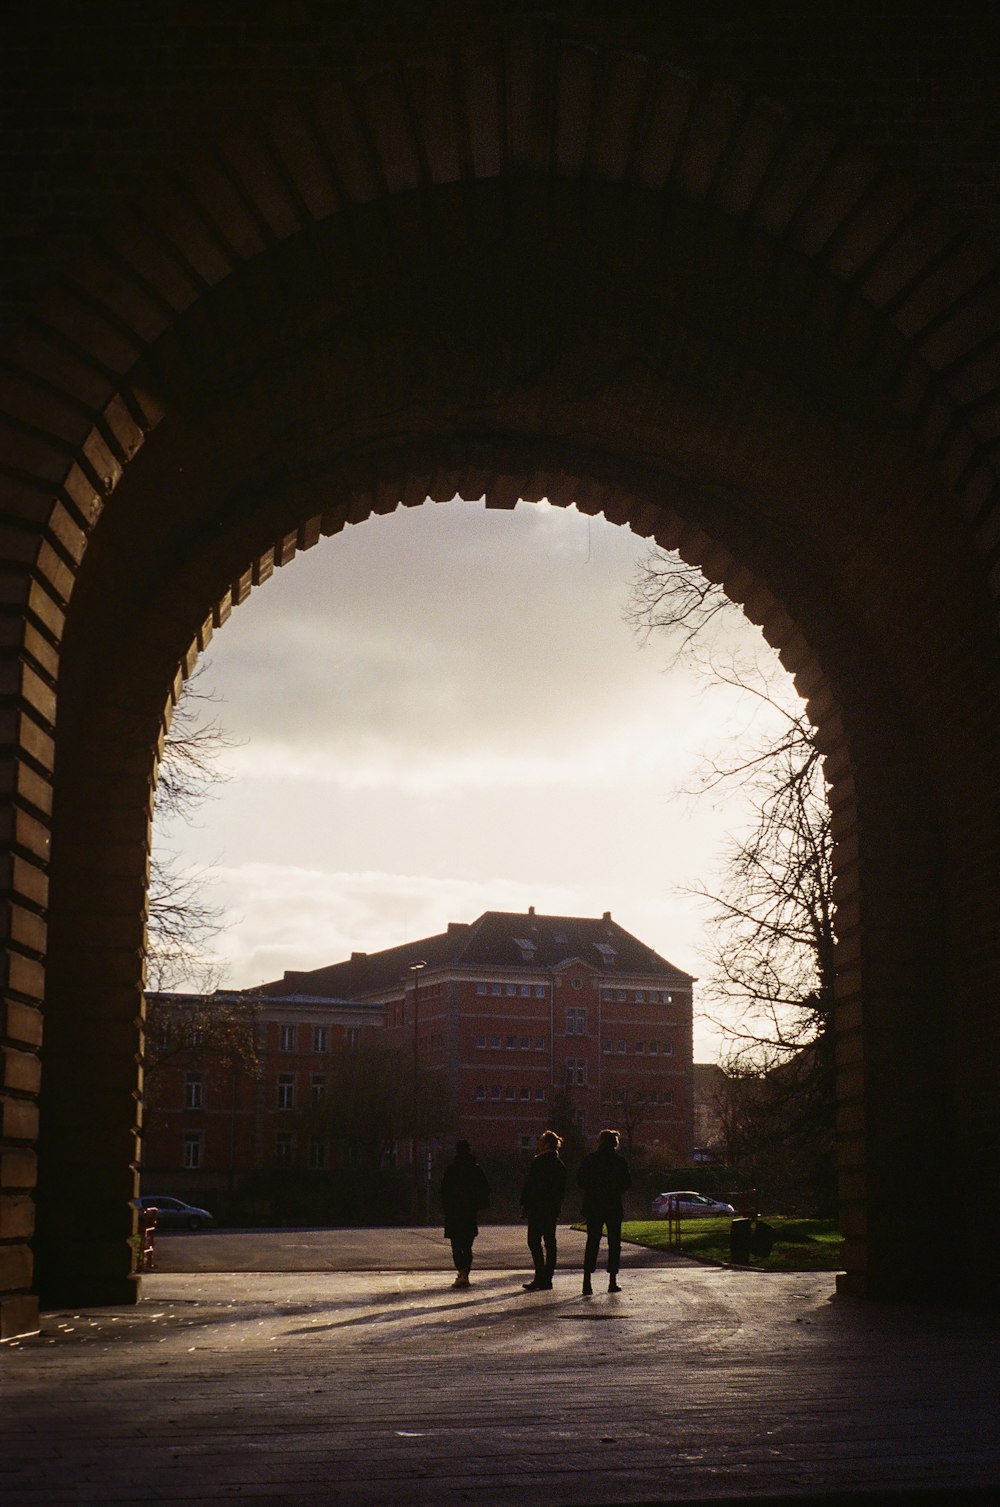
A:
x: 689, y: 1205
x: 173, y: 1213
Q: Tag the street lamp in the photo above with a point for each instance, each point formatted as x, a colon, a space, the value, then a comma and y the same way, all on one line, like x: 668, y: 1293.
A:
x: 416, y: 969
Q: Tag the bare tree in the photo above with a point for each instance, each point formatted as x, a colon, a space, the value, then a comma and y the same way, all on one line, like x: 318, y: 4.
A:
x: 182, y: 918
x: 769, y: 986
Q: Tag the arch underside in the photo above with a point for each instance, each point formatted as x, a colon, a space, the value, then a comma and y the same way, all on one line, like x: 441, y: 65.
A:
x: 311, y: 325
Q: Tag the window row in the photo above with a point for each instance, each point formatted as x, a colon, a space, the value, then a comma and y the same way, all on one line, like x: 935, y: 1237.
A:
x: 514, y: 991
x: 640, y: 1048
x: 637, y: 996
x: 285, y: 1150
x: 288, y: 1038
x: 495, y: 1093
x: 513, y: 1043
x: 288, y: 1084
x: 619, y: 1096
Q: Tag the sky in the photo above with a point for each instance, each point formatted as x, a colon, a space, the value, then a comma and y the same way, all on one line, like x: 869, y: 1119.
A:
x: 442, y: 712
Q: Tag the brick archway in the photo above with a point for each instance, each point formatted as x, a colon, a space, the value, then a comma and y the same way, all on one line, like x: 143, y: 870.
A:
x: 464, y: 271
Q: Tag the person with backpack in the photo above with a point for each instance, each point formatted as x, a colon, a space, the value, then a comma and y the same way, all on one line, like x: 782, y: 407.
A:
x: 604, y: 1176
x: 464, y: 1191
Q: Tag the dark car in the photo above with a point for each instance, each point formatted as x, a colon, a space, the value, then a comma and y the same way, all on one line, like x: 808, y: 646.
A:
x: 173, y: 1213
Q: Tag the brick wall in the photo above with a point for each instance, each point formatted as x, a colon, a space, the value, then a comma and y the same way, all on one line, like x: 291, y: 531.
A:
x: 735, y: 285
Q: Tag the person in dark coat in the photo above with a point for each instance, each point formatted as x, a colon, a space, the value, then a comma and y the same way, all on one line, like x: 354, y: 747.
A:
x: 541, y: 1200
x: 604, y: 1176
x: 464, y: 1191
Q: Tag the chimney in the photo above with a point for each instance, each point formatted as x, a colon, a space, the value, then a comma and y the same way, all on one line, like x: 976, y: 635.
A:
x: 531, y: 910
x: 607, y: 915
x: 358, y: 957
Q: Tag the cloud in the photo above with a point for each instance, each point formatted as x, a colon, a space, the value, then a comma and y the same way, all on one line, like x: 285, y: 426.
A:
x: 443, y: 712
x: 422, y: 631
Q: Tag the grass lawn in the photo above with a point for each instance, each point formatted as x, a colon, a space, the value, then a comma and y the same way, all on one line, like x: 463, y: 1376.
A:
x: 802, y: 1245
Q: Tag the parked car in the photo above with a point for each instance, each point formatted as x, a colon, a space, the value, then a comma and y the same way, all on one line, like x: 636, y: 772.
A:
x: 173, y: 1213
x: 691, y: 1206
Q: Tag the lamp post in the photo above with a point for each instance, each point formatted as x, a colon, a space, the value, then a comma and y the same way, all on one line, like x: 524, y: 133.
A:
x: 416, y: 969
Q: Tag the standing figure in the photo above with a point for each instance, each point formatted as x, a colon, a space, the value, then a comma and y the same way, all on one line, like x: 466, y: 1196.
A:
x: 541, y: 1200
x: 604, y: 1177
x: 464, y: 1191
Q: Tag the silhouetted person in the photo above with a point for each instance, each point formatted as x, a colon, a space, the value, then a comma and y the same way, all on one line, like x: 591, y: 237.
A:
x: 541, y: 1200
x: 604, y: 1177
x: 464, y: 1191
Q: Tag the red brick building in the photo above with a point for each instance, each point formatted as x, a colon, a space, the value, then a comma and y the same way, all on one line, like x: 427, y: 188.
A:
x: 231, y: 1080
x: 527, y: 1019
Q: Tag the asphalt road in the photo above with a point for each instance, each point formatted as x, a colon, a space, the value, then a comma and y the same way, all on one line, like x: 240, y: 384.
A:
x: 333, y: 1380
x: 498, y: 1248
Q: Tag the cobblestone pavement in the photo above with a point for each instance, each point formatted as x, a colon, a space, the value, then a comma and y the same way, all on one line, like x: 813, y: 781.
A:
x: 367, y: 1387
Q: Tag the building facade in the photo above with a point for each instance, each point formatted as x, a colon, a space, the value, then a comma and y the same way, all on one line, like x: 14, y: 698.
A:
x: 519, y: 1020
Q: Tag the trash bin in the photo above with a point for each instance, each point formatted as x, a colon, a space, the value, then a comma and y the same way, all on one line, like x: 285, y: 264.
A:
x: 740, y: 1241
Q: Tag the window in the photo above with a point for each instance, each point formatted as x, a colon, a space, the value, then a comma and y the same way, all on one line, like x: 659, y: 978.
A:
x: 495, y: 1092
x: 640, y: 996
x: 540, y: 1095
x: 317, y: 1153
x: 287, y: 1039
x: 525, y: 991
x: 539, y: 1043
x: 494, y: 1041
x: 510, y: 989
x: 654, y: 1046
x: 321, y: 1038
x: 667, y: 1049
x: 494, y: 988
x: 640, y: 1047
x: 480, y: 1041
x: 352, y: 1038
x: 194, y: 1095
x: 621, y: 1046
x: 539, y: 991
x: 510, y: 1093
x: 667, y: 1096
x: 317, y: 1088
x: 481, y: 1091
x: 193, y: 1147
x: 577, y: 983
x: 576, y: 1021
x: 511, y: 1042
x: 284, y: 1149
x: 606, y: 1045
x: 524, y: 1142
x: 525, y: 1043
x: 576, y: 1070
x: 620, y: 996
x: 481, y: 988
x: 526, y: 1093
x: 286, y: 1091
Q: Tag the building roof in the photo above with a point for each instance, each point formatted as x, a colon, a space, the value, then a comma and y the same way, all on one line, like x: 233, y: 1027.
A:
x: 497, y: 940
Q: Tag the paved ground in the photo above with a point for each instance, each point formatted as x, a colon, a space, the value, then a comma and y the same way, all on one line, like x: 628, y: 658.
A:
x: 327, y: 1379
